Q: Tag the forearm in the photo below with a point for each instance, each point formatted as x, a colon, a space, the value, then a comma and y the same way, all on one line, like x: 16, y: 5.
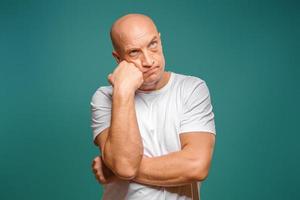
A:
x: 123, y: 148
x: 174, y: 169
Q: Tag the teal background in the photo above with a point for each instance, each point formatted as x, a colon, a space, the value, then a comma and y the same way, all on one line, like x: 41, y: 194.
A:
x: 55, y: 54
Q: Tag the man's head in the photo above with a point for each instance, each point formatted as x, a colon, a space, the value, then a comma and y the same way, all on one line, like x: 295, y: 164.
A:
x: 136, y: 40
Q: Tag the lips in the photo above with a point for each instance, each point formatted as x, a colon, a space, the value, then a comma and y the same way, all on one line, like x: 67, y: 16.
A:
x: 151, y: 71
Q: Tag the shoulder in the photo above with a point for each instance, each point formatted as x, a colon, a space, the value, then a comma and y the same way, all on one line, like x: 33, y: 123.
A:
x: 191, y: 87
x: 102, y: 93
x: 188, y: 82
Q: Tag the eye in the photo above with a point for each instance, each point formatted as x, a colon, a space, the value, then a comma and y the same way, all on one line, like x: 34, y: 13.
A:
x: 153, y: 44
x: 133, y: 53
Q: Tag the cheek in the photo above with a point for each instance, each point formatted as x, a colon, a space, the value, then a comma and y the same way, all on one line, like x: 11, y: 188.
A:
x: 136, y: 62
x: 161, y: 61
x: 159, y: 57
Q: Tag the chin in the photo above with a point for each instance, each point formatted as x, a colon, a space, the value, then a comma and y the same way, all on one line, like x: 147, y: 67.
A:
x: 153, y: 79
x: 150, y: 83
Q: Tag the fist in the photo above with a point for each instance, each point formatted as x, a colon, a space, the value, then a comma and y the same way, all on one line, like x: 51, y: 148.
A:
x: 126, y: 77
x: 101, y: 172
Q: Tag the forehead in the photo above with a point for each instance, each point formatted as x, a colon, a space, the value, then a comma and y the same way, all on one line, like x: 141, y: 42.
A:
x: 135, y: 35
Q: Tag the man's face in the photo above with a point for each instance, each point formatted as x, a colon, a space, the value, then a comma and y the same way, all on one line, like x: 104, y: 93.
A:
x: 142, y: 46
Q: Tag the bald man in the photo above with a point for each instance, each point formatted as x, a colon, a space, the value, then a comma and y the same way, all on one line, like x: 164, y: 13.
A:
x: 155, y: 128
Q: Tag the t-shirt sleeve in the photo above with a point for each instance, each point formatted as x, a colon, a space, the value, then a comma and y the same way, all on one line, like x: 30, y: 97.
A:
x: 197, y: 115
x: 100, y: 111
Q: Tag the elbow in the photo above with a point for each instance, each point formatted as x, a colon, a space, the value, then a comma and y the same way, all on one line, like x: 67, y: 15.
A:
x: 201, y: 175
x: 199, y: 172
x: 124, y: 167
x: 125, y: 171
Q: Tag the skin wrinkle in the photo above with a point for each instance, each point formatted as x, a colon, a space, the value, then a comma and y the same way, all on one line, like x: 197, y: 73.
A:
x: 138, y: 37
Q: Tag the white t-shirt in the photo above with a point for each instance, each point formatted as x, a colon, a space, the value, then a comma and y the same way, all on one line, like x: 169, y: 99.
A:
x: 182, y: 105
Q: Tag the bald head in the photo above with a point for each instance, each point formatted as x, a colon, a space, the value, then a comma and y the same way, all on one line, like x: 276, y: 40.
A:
x: 136, y: 40
x: 128, y: 26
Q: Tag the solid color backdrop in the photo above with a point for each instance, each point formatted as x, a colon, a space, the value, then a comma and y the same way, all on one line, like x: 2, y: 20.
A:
x: 55, y: 54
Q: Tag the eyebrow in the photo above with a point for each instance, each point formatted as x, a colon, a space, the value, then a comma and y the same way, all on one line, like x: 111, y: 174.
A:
x: 154, y: 38
x: 132, y: 49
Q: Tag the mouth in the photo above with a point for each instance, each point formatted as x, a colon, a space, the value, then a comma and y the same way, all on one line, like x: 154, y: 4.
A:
x: 151, y: 71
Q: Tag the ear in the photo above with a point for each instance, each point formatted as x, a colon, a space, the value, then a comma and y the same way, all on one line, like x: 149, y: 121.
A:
x: 160, y: 38
x: 116, y: 56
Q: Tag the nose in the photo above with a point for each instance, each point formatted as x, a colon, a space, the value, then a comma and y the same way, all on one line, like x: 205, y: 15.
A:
x: 147, y: 60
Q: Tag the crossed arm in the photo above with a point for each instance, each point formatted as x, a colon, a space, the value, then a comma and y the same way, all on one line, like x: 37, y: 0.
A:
x: 121, y: 144
x: 188, y: 165
x: 122, y: 151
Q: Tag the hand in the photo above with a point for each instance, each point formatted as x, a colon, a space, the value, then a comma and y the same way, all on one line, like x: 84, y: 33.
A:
x: 103, y: 174
x: 126, y: 77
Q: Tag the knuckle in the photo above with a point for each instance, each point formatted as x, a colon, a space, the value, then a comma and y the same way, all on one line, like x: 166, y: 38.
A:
x: 102, y: 179
x: 93, y: 164
x: 95, y: 169
x: 131, y: 65
x: 122, y: 63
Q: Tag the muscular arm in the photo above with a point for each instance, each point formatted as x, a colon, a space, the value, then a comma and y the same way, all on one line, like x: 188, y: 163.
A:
x: 190, y: 164
x: 123, y: 147
x: 121, y: 144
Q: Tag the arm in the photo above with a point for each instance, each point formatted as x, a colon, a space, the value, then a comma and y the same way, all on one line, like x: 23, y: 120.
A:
x: 188, y: 165
x: 192, y: 162
x: 121, y: 144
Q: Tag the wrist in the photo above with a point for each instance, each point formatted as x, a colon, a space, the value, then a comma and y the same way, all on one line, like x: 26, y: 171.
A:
x: 120, y: 91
